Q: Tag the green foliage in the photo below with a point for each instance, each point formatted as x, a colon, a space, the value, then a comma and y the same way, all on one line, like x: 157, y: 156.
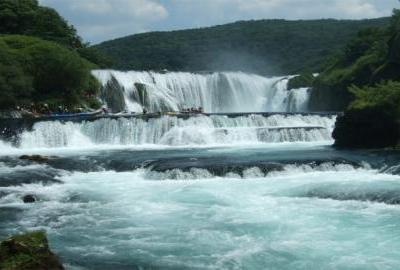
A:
x: 373, y: 56
x: 26, y: 17
x: 385, y: 95
x: 43, y: 72
x: 265, y: 46
x: 36, y: 71
x: 15, y: 84
x: 95, y: 56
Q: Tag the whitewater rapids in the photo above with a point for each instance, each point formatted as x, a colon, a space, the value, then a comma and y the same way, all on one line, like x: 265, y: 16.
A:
x: 198, y: 130
x: 103, y: 213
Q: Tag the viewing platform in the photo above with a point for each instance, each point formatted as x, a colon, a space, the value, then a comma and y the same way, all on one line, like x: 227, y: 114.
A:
x: 80, y: 118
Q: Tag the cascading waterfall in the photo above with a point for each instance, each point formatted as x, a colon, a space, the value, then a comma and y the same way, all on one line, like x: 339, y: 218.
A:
x: 172, y: 130
x: 214, y: 92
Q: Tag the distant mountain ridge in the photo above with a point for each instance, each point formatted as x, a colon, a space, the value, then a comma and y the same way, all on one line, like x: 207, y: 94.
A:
x: 271, y: 47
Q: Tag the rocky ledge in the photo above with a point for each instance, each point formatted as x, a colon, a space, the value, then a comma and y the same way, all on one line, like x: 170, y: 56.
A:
x: 366, y: 128
x: 28, y: 251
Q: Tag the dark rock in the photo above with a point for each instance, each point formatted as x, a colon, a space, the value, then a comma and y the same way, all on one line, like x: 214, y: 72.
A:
x: 29, y: 251
x: 366, y: 128
x: 329, y: 97
x: 301, y: 81
x: 35, y: 158
x: 113, y: 95
x: 143, y: 96
x: 29, y: 199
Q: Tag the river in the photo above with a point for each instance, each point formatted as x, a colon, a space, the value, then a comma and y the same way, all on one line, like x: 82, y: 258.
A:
x: 204, y: 192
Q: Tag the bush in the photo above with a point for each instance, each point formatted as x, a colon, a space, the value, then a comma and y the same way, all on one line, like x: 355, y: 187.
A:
x: 43, y: 71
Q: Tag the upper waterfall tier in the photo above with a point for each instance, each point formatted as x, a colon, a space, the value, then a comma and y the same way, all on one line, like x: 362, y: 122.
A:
x: 214, y: 92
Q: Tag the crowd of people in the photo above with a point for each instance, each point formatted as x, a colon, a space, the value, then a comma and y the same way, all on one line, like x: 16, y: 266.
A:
x: 44, y: 109
x: 184, y: 110
x: 38, y: 110
x: 192, y: 110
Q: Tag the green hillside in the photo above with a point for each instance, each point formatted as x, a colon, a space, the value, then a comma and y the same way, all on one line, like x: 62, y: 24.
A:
x: 263, y: 46
x: 43, y: 60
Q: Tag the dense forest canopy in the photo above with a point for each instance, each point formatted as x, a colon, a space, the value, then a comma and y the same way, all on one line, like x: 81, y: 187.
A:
x: 26, y: 17
x: 263, y: 46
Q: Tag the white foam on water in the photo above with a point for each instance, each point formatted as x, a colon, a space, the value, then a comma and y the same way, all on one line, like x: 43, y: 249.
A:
x: 219, y: 223
x: 202, y: 130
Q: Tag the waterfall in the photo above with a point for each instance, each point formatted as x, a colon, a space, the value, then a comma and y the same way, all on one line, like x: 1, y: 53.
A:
x: 175, y: 131
x: 214, y: 92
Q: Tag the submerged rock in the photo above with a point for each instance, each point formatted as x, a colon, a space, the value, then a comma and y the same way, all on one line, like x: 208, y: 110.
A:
x: 29, y: 199
x: 35, y: 158
x: 28, y: 251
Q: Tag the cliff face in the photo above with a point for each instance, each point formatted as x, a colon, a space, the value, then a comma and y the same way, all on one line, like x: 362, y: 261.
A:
x: 366, y: 128
x: 29, y: 251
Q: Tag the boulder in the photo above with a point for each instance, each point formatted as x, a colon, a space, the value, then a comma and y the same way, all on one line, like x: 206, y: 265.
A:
x: 28, y: 251
x: 29, y: 198
x: 366, y: 128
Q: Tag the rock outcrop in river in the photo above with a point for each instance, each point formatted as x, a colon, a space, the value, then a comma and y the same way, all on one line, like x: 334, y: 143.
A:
x: 28, y: 251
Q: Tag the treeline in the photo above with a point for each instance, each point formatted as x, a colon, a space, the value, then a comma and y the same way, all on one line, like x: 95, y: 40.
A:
x: 43, y: 60
x: 364, y: 80
x: 264, y: 46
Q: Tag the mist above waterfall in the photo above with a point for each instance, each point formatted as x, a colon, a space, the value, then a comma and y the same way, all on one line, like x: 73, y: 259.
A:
x: 214, y: 92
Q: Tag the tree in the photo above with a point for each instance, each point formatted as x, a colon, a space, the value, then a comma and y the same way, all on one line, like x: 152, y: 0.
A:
x: 26, y: 17
x: 43, y: 72
x: 15, y: 85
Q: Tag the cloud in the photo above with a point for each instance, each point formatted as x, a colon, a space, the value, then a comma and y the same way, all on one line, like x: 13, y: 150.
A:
x: 98, y: 20
x: 358, y: 9
x: 144, y: 9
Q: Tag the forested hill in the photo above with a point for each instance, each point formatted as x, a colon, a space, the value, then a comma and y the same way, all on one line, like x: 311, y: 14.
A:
x: 263, y: 46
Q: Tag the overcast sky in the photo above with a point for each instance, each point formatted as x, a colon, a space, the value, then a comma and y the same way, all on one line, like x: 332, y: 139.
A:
x: 99, y: 20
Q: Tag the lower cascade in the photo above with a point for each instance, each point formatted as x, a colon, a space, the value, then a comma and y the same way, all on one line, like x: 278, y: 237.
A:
x: 175, y: 131
x: 214, y: 92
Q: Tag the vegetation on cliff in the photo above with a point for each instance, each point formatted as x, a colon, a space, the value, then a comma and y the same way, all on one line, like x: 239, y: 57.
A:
x: 43, y: 60
x: 365, y: 80
x: 370, y: 58
x: 264, y: 46
x: 29, y: 251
